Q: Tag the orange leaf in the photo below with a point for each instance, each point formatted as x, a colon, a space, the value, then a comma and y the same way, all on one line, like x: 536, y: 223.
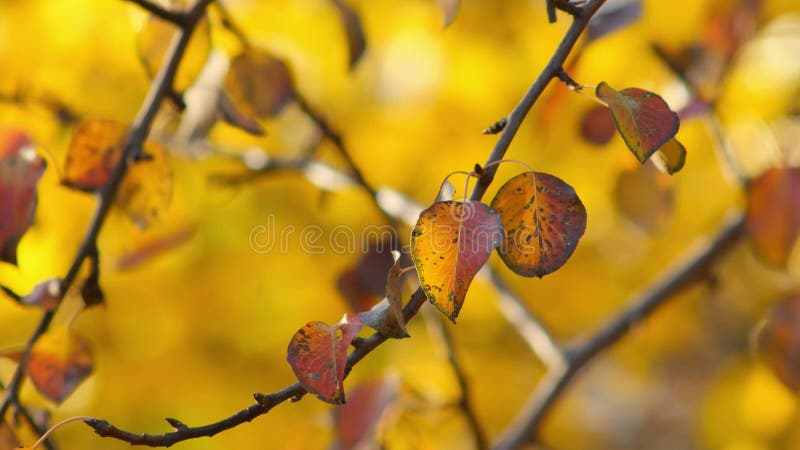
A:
x: 643, y: 119
x: 60, y: 360
x: 258, y: 84
x: 671, y: 157
x: 449, y: 244
x: 154, y: 39
x: 773, y: 213
x: 20, y: 170
x: 645, y: 197
x: 778, y: 341
x: 318, y: 355
x: 94, y: 150
x: 544, y: 219
x: 146, y: 190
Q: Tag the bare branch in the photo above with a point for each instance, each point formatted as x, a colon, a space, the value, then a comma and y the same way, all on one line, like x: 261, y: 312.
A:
x: 695, y: 267
x: 179, y: 18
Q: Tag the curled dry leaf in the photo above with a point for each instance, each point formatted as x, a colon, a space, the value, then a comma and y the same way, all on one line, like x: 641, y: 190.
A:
x: 318, y: 355
x: 60, y: 360
x: 387, y: 316
x: 773, y: 213
x: 45, y: 295
x: 645, y: 197
x: 449, y: 244
x: 20, y: 170
x: 643, y: 119
x: 671, y: 157
x: 258, y: 84
x: 357, y: 421
x: 544, y: 219
x: 356, y: 42
x: 778, y: 341
x: 154, y: 39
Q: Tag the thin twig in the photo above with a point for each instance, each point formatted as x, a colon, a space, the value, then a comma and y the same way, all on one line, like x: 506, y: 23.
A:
x: 695, y: 267
x: 230, y: 24
x: 160, y: 87
x: 179, y: 18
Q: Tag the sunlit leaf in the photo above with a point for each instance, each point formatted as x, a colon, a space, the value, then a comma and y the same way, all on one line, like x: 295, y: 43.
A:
x: 318, y: 354
x: 258, y: 84
x: 146, y: 190
x: 643, y: 119
x: 773, y: 213
x: 671, y: 157
x: 387, y: 316
x: 645, y: 197
x: 356, y: 42
x: 597, y: 126
x: 544, y: 219
x: 20, y: 170
x: 449, y: 244
x: 60, y: 360
x: 93, y: 152
x: 449, y: 10
x: 356, y: 421
x: 155, y: 38
x: 45, y: 295
x: 778, y: 341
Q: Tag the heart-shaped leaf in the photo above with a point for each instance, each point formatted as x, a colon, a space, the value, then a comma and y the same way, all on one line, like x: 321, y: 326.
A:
x: 671, y: 157
x: 778, y: 341
x: 258, y: 84
x: 449, y: 244
x: 643, y: 119
x: 155, y: 38
x: 544, y: 219
x: 60, y: 360
x: 20, y: 170
x: 318, y: 355
x: 773, y: 213
x: 356, y: 42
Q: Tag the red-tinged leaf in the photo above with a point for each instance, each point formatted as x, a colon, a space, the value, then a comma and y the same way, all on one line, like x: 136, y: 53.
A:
x: 643, y: 119
x: 449, y: 10
x: 93, y: 152
x: 258, y: 84
x: 597, y: 126
x: 20, y: 170
x: 387, y: 316
x: 449, y: 244
x: 45, y: 295
x: 318, y: 355
x: 773, y: 213
x: 60, y: 360
x: 544, y: 219
x: 357, y: 421
x: 778, y: 341
x: 356, y: 42
x: 671, y: 157
x: 154, y: 39
x: 645, y: 197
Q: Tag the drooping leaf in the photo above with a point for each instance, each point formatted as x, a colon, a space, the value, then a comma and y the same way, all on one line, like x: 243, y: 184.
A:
x: 645, y: 197
x: 146, y: 189
x: 318, y: 355
x: 387, y: 316
x: 93, y: 152
x: 449, y: 244
x: 155, y: 38
x: 643, y: 119
x: 60, y: 360
x: 597, y: 126
x: 449, y: 10
x: 365, y: 283
x: 544, y: 219
x: 20, y: 170
x: 356, y: 42
x: 773, y: 213
x: 258, y: 84
x: 356, y: 422
x: 778, y: 341
x: 45, y: 295
x: 671, y: 157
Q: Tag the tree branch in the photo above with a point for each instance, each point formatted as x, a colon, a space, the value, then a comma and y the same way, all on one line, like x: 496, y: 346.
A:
x: 160, y: 87
x: 181, y: 19
x: 695, y: 266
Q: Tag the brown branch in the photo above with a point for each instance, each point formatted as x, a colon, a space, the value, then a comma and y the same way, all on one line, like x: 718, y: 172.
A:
x: 179, y: 18
x: 160, y: 87
x: 230, y: 24
x: 294, y: 392
x: 694, y: 268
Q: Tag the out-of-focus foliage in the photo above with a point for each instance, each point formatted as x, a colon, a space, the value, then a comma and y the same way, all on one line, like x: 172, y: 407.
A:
x: 200, y: 306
